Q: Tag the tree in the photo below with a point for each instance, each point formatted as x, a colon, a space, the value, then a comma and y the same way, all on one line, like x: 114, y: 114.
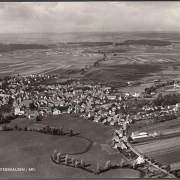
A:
x: 61, y: 131
x: 98, y: 169
x: 70, y: 132
x: 16, y: 127
x: 55, y: 155
x: 59, y: 157
x: 4, y: 128
x: 51, y: 158
x: 108, y: 165
x: 152, y: 160
x: 82, y: 163
x: 39, y: 118
x: 32, y: 106
x: 76, y: 164
x: 66, y: 159
x: 122, y: 163
x: 168, y: 167
x: 25, y: 129
x: 134, y: 164
x: 174, y: 173
x: 73, y: 162
x: 178, y: 174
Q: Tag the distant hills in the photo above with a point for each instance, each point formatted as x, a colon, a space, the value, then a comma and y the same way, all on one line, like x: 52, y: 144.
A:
x: 12, y: 47
x: 145, y: 42
x: 91, y: 43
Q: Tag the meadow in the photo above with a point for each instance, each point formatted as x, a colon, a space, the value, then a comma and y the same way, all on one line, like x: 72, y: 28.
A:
x: 33, y: 149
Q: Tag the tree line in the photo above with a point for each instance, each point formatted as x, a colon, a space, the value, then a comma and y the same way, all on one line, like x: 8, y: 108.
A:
x: 170, y: 99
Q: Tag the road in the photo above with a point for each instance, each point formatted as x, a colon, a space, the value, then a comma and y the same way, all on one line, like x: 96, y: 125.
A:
x: 149, y: 162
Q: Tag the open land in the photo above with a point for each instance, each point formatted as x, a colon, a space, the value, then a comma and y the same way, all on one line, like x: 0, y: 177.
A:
x: 128, y: 61
x: 33, y: 148
x: 125, y: 61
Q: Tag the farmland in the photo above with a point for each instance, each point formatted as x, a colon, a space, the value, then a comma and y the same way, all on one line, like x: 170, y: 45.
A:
x: 165, y: 148
x: 164, y: 151
x: 129, y: 61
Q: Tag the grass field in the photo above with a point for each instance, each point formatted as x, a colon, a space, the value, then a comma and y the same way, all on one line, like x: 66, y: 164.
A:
x: 33, y: 149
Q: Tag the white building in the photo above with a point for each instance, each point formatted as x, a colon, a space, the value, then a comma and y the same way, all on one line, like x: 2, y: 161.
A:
x: 138, y: 135
x: 56, y: 112
x: 17, y: 111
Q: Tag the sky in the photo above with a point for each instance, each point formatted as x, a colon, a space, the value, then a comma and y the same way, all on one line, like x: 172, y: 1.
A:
x: 22, y: 17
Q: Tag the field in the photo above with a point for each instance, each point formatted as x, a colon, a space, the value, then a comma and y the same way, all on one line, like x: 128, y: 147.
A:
x: 33, y: 149
x: 165, y: 148
x: 130, y: 61
x: 165, y: 151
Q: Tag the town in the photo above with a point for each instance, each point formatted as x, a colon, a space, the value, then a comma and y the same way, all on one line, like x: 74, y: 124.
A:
x: 33, y: 98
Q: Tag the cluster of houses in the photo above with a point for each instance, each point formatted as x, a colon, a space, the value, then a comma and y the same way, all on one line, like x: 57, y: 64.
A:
x: 95, y: 102
x: 32, y: 98
x: 108, y: 114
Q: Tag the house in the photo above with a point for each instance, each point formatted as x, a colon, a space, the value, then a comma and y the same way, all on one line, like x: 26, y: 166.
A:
x: 56, y: 112
x: 120, y: 145
x: 17, y: 111
x: 91, y: 114
x: 140, y: 160
x: 136, y: 94
x: 177, y: 107
x: 119, y: 133
x: 116, y: 139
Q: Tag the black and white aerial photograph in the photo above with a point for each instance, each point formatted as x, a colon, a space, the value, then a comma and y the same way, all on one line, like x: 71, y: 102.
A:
x: 90, y: 89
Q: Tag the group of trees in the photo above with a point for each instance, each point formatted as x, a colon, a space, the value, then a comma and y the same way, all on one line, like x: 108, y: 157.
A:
x: 166, y: 117
x: 45, y: 130
x: 157, y: 86
x: 6, y: 108
x: 176, y: 173
x: 108, y: 166
x: 64, y: 159
x: 170, y: 99
x: 6, y: 117
x: 53, y: 131
x: 6, y: 128
x: 98, y: 61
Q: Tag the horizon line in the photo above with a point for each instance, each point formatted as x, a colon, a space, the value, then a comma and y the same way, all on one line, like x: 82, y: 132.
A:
x: 156, y: 31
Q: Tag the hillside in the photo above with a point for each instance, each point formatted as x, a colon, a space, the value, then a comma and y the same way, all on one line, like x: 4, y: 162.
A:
x: 12, y: 47
x: 145, y: 42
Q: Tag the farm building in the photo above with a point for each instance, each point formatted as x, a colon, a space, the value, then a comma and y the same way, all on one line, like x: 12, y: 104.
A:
x: 140, y: 160
x: 138, y: 135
